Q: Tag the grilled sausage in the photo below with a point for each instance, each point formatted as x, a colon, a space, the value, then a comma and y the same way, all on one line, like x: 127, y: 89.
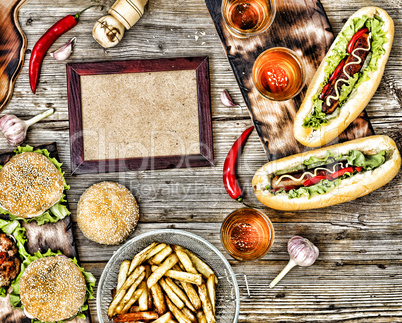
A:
x: 351, y: 69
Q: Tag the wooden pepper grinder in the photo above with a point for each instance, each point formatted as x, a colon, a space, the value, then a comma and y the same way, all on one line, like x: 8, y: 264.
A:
x: 109, y: 30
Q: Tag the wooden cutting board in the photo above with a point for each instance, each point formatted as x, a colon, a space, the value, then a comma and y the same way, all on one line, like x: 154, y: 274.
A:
x: 56, y: 236
x: 302, y: 26
x: 12, y: 48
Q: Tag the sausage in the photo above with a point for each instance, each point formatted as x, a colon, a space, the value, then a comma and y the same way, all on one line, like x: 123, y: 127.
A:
x: 286, y: 181
x: 352, y: 69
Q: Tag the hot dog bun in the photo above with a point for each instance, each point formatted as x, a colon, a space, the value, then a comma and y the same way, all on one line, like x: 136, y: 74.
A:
x: 350, y: 188
x: 358, y: 99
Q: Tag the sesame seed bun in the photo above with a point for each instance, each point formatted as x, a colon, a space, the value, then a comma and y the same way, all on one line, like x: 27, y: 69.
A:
x: 107, y: 213
x: 52, y: 289
x: 29, y: 185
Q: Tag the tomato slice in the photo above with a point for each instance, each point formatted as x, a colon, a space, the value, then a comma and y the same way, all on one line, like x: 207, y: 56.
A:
x: 342, y: 171
x: 332, y: 77
x: 337, y: 70
x: 316, y: 180
x: 324, y: 89
x: 355, y: 37
x: 358, y: 169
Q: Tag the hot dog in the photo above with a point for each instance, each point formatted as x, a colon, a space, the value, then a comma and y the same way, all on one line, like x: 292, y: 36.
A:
x: 347, y: 77
x: 329, y: 175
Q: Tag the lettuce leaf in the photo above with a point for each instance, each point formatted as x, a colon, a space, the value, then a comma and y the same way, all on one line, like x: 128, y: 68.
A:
x: 378, y: 38
x: 354, y: 157
x: 313, y: 161
x: 56, y: 212
x: 15, y: 299
x: 322, y: 187
x: 15, y: 229
x: 368, y: 162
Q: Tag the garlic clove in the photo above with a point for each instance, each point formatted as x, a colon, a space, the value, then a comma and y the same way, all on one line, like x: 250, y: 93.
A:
x: 64, y: 51
x: 226, y: 99
x: 14, y: 129
x: 302, y: 251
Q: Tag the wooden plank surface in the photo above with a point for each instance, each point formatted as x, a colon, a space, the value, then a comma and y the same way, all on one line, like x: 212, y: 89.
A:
x: 357, y: 277
x: 303, y: 27
x: 12, y: 48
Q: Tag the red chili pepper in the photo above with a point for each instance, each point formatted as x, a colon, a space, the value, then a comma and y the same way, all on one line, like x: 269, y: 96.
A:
x: 287, y: 188
x: 229, y: 168
x: 358, y: 169
x: 355, y: 38
x: 342, y: 171
x: 332, y: 77
x: 316, y: 180
x: 2, y: 257
x: 43, y: 44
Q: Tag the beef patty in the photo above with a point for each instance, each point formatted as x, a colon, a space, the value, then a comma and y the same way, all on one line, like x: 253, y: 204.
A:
x: 9, y: 261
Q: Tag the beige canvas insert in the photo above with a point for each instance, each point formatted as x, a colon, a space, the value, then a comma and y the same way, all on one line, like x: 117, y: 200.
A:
x: 140, y: 115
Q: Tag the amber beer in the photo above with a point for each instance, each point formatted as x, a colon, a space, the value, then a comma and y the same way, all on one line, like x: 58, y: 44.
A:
x: 245, y: 18
x: 278, y: 74
x: 247, y: 234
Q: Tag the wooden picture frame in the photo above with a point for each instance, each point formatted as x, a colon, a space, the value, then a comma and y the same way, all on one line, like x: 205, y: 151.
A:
x: 75, y: 71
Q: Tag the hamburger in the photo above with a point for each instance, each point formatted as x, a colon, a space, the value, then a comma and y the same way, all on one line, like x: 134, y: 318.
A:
x: 107, y: 213
x: 52, y: 288
x: 12, y: 251
x: 31, y: 187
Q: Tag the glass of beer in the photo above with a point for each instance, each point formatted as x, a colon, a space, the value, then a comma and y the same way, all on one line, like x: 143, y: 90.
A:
x: 247, y: 234
x: 244, y: 18
x: 279, y: 74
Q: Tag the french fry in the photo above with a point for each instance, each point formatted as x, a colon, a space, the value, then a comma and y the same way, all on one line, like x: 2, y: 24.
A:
x: 150, y: 301
x: 148, y: 273
x: 192, y: 295
x: 201, y: 266
x: 123, y: 271
x: 206, y: 303
x: 131, y: 290
x: 158, y: 299
x: 133, y: 317
x: 171, y: 294
x: 211, y: 290
x: 122, y: 291
x: 176, y: 312
x: 140, y: 257
x: 189, y: 314
x: 162, y: 269
x: 201, y: 317
x: 185, y: 261
x: 164, y: 318
x: 178, y: 291
x: 132, y: 300
x: 160, y: 256
x: 134, y: 309
x: 143, y: 300
x: 155, y: 250
x: 185, y: 277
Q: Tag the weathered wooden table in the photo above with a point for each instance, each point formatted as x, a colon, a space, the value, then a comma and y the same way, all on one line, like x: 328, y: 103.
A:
x: 358, y: 275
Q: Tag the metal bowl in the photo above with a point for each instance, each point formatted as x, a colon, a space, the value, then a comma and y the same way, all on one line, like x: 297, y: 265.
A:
x: 227, y: 291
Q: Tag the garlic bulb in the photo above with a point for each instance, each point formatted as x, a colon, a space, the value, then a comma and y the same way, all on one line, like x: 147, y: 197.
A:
x: 15, y: 129
x: 302, y: 252
x: 64, y: 51
x: 226, y: 99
